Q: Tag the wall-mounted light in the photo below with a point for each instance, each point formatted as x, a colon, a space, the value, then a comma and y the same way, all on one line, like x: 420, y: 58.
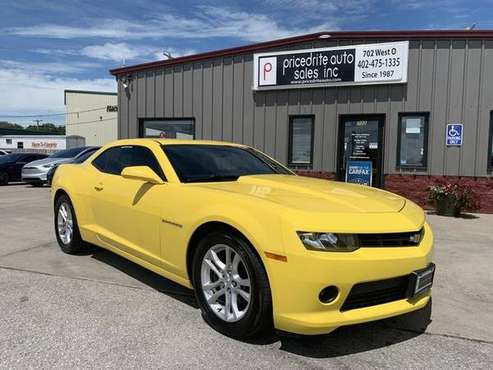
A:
x: 126, y: 80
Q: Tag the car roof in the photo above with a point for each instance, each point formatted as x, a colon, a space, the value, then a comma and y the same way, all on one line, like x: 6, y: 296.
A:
x: 173, y: 142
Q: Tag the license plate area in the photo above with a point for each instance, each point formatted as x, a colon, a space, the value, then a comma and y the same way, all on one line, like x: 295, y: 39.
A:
x: 421, y: 281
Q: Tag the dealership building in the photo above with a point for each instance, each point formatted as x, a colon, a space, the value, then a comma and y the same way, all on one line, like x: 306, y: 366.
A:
x: 399, y: 110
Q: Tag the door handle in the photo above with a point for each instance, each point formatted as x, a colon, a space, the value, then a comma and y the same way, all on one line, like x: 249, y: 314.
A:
x: 99, y: 187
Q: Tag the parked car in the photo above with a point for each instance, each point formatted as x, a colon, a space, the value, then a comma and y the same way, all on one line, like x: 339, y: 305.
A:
x: 4, y: 152
x: 81, y: 157
x: 11, y: 165
x: 260, y: 245
x: 35, y: 172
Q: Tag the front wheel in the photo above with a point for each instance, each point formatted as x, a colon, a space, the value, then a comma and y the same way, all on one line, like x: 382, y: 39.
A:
x: 66, y: 228
x: 231, y: 286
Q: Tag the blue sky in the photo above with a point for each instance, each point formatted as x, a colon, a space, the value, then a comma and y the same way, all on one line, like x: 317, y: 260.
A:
x: 48, y: 46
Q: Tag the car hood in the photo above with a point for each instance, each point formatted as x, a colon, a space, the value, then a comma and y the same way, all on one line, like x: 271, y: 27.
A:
x: 45, y: 161
x: 313, y: 195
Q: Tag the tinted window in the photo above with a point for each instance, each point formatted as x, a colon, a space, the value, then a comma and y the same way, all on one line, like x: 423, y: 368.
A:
x: 114, y: 160
x: 69, y: 153
x: 10, y: 158
x: 83, y: 156
x: 301, y: 141
x: 412, y: 141
x: 195, y: 163
x: 168, y: 128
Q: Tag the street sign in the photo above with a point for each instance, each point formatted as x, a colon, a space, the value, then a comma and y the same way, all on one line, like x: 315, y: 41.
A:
x: 454, y: 134
x: 359, y: 172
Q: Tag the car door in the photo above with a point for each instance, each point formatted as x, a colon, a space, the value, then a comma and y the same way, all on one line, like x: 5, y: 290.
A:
x: 127, y: 211
x: 15, y: 170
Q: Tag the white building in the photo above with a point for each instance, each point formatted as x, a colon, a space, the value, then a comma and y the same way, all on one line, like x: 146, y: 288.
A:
x: 38, y: 143
x: 92, y: 115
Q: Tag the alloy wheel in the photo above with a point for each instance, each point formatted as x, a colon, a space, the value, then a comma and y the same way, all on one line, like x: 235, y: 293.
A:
x: 65, y: 223
x: 226, y: 283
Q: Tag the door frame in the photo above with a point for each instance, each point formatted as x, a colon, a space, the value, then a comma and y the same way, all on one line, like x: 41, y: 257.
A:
x: 380, y: 117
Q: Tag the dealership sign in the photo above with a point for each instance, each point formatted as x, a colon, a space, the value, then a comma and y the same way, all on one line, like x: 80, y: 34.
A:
x: 344, y: 65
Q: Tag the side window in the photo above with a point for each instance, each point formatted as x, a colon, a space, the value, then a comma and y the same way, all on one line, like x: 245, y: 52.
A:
x: 107, y: 161
x: 114, y: 160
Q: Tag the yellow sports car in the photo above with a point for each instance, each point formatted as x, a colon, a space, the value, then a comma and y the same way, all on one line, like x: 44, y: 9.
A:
x: 261, y: 246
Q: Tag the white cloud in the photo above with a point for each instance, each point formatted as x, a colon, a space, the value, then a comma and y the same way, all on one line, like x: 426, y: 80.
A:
x: 115, y: 51
x: 49, y: 68
x: 27, y: 91
x: 123, y: 52
x: 207, y: 22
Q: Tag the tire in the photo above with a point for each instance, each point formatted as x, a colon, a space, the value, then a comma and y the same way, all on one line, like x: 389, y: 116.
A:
x: 4, y: 178
x: 72, y: 244
x: 248, y: 319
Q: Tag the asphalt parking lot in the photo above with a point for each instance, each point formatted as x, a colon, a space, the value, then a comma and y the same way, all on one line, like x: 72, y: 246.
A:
x: 98, y: 310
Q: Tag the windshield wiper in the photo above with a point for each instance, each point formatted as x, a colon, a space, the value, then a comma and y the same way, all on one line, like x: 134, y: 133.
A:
x: 213, y: 178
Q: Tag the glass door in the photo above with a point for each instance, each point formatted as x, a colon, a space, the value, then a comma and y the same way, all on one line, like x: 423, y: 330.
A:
x: 360, y: 149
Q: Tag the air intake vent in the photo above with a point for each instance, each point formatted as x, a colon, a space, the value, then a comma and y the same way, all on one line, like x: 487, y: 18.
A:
x: 376, y: 292
x: 409, y: 239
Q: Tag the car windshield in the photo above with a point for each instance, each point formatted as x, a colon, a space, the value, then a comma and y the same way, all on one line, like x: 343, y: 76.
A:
x: 69, y: 153
x: 207, y: 163
x: 10, y: 158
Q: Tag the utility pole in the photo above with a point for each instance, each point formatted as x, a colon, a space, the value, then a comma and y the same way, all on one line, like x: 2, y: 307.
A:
x: 37, y: 121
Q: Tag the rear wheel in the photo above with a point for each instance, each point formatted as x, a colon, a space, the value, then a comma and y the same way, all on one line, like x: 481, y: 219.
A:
x: 231, y: 286
x: 66, y: 228
x: 4, y: 178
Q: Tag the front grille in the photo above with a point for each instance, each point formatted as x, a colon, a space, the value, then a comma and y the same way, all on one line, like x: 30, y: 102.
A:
x: 408, y: 239
x: 376, y: 292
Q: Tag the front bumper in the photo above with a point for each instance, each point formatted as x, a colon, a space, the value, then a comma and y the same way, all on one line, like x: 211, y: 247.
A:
x: 296, y: 285
x: 34, y: 174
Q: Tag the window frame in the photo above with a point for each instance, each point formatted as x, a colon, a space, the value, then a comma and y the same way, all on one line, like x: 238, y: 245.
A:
x: 162, y: 175
x: 20, y: 145
x: 309, y: 165
x: 411, y: 167
x: 489, y: 164
x: 142, y: 119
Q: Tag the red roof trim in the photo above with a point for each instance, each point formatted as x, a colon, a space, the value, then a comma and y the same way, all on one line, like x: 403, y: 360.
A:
x: 417, y: 34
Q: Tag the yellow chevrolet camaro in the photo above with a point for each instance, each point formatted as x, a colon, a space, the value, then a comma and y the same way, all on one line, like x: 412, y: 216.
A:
x: 261, y: 246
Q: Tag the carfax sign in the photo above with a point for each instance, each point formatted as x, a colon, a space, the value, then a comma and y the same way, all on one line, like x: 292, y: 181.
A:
x: 359, y: 172
x: 344, y: 65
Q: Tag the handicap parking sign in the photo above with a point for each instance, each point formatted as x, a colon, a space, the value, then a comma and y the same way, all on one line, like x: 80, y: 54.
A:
x: 454, y: 134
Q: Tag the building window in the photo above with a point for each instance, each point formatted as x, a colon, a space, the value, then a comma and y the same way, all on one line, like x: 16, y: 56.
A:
x: 20, y: 145
x: 9, y: 141
x: 412, y: 141
x: 301, y: 141
x: 490, y: 145
x: 168, y: 128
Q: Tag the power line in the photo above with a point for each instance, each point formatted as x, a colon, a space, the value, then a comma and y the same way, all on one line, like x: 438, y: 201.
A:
x: 53, y: 114
x: 83, y: 123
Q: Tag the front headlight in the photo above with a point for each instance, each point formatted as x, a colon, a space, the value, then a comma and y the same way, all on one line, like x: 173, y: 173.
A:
x: 329, y: 242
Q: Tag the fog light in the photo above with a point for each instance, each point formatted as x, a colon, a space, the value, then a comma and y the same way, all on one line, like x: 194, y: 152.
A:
x: 328, y: 294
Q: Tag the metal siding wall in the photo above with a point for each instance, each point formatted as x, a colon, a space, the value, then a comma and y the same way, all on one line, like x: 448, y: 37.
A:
x: 228, y: 100
x: 484, y: 108
x: 448, y: 79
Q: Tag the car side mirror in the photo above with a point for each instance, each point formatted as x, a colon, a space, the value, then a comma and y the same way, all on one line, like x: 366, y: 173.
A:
x: 142, y: 173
